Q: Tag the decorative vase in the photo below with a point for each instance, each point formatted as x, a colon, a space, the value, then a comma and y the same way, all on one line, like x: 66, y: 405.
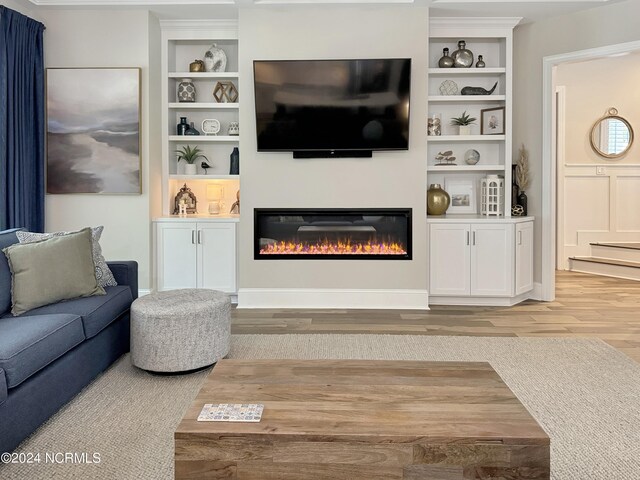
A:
x: 192, y: 130
x: 186, y: 91
x: 215, y: 60
x: 196, y: 66
x: 190, y: 169
x: 522, y: 201
x: 234, y: 128
x: 480, y: 63
x: 462, y: 58
x: 182, y: 127
x: 446, y: 61
x: 434, y: 125
x: 464, y: 130
x: 234, y: 162
x: 437, y: 200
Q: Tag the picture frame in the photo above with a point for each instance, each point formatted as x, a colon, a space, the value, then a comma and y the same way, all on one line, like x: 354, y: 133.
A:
x: 93, y: 131
x: 462, y: 192
x: 492, y: 121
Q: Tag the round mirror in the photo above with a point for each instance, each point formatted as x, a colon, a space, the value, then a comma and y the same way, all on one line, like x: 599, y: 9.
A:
x: 612, y: 135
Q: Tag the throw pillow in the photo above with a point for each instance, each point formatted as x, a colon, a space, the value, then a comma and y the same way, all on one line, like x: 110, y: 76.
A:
x: 103, y: 274
x: 59, y: 268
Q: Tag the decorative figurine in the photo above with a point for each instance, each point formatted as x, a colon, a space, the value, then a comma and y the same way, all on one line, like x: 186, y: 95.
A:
x: 478, y: 90
x: 445, y: 158
x: 205, y: 166
x: 185, y: 199
x: 235, y: 208
x: 196, y: 66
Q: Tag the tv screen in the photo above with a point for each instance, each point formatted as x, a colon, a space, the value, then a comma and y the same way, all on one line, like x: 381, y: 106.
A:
x: 332, y: 105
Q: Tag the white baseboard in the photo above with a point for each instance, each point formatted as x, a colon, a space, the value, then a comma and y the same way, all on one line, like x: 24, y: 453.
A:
x: 332, y: 298
x: 143, y: 291
x: 480, y: 301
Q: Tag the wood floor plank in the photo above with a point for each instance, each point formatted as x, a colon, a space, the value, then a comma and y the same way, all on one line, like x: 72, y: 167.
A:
x: 586, y: 305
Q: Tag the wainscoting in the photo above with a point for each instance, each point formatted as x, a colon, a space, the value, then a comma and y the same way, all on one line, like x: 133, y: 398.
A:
x: 596, y: 203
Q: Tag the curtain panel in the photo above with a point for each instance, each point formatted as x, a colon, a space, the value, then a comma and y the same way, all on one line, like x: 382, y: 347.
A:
x: 22, y: 122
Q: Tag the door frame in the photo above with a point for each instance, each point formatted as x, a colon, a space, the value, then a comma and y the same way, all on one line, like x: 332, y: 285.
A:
x: 549, y: 160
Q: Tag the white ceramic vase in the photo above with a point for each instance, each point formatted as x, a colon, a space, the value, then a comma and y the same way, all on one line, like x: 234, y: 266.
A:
x: 190, y: 169
x: 215, y: 60
x: 465, y: 130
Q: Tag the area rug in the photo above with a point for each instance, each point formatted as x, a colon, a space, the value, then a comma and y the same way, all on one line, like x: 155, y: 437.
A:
x: 584, y: 393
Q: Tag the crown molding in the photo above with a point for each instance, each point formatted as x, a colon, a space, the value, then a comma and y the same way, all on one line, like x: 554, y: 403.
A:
x: 127, y: 3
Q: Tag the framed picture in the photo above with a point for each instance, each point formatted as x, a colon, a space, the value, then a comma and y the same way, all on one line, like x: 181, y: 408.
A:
x: 463, y: 195
x: 93, y: 130
x: 492, y: 121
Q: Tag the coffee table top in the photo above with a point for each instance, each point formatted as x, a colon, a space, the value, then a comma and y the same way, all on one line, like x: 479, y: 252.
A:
x: 368, y: 401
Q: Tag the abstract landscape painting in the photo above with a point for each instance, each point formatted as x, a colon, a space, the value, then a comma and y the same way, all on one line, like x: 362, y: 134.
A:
x: 93, y: 130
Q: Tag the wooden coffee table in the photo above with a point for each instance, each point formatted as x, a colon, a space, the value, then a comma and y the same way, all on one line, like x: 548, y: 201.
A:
x: 361, y: 419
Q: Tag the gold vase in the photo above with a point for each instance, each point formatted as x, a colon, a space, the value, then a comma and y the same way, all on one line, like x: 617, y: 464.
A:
x: 437, y: 200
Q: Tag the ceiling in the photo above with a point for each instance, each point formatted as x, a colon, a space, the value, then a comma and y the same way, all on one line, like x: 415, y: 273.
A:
x: 530, y: 10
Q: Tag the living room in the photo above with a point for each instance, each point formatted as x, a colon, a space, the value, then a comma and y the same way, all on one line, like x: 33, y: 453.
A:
x: 337, y: 300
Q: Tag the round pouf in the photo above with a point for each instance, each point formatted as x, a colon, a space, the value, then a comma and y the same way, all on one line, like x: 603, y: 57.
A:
x: 180, y: 330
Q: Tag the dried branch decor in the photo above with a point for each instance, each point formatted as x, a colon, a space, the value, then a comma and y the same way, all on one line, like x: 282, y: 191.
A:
x: 522, y: 170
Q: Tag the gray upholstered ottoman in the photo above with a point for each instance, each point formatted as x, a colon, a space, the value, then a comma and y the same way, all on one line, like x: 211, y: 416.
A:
x: 180, y: 330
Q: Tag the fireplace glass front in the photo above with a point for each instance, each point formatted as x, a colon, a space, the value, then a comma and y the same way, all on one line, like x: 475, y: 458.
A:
x: 362, y: 234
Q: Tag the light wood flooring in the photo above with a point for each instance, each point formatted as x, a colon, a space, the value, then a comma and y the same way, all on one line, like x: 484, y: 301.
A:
x: 585, y: 306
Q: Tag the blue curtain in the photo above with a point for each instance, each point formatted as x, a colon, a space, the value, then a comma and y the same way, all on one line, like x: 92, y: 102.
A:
x: 22, y: 122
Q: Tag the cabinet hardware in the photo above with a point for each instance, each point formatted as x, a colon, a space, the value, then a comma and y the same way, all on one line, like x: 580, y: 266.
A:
x: 474, y: 237
x: 193, y: 237
x: 467, y: 238
x: 520, y: 237
x: 200, y: 237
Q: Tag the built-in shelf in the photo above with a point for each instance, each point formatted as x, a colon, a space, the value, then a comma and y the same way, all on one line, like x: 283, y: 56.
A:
x: 196, y: 75
x: 466, y: 71
x: 208, y: 106
x: 203, y: 177
x: 203, y: 138
x: 465, y: 168
x: 466, y: 138
x: 466, y: 98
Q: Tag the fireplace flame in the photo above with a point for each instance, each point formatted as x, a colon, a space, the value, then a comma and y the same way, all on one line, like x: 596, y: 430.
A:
x: 338, y: 248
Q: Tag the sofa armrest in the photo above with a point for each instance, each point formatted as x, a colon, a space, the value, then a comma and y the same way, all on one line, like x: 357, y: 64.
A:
x: 126, y: 273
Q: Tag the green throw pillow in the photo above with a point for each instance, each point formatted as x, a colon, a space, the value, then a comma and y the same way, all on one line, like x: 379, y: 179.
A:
x: 56, y: 269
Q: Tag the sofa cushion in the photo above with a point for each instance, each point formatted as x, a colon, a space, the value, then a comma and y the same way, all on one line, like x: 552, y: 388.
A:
x: 7, y: 237
x: 30, y: 343
x: 96, y: 312
x: 52, y: 270
x: 3, y: 386
x: 103, y: 273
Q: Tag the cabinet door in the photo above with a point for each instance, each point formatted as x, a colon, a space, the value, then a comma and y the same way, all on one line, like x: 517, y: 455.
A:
x: 449, y: 259
x: 217, y: 256
x: 492, y: 259
x: 176, y: 255
x: 524, y: 257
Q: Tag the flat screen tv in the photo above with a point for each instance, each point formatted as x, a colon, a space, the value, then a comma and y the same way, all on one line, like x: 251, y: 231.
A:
x: 324, y: 108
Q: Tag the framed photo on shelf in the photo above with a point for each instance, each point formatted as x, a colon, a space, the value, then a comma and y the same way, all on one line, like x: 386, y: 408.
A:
x: 463, y: 195
x: 492, y: 121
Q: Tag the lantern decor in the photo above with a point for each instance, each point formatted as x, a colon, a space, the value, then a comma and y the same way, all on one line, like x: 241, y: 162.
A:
x: 491, y: 195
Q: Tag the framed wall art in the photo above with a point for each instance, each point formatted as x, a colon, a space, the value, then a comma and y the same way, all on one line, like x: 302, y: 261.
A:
x: 93, y: 130
x: 492, y: 121
x: 463, y: 195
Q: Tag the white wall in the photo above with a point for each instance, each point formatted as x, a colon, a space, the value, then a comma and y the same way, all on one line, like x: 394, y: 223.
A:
x: 591, y: 206
x: 110, y: 38
x: 606, y: 25
x: 389, y: 179
x: 21, y: 6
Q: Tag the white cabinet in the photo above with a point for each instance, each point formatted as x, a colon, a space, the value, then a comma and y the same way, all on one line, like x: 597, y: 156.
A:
x: 490, y: 260
x: 196, y: 254
x: 471, y: 259
x: 524, y: 257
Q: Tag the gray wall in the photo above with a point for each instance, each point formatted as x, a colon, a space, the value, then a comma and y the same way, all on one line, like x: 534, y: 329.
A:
x: 596, y: 27
x: 389, y: 179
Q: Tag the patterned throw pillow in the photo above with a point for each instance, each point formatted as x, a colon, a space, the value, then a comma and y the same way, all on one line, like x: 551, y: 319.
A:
x: 103, y: 274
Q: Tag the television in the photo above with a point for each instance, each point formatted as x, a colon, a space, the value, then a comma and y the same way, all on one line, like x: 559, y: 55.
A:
x: 332, y: 108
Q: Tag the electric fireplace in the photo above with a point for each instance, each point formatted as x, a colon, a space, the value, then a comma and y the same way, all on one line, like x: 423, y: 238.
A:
x: 332, y: 233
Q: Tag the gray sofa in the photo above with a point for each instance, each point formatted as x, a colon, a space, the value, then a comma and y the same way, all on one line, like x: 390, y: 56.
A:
x: 50, y: 353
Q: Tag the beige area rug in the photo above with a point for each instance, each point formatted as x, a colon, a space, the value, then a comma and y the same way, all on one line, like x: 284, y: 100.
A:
x: 584, y: 393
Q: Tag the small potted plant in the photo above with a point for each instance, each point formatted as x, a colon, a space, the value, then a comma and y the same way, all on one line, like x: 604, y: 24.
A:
x: 464, y: 123
x: 190, y: 155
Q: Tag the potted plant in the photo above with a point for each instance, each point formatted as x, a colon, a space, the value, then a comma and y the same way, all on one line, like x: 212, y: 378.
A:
x: 190, y: 155
x: 464, y: 123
